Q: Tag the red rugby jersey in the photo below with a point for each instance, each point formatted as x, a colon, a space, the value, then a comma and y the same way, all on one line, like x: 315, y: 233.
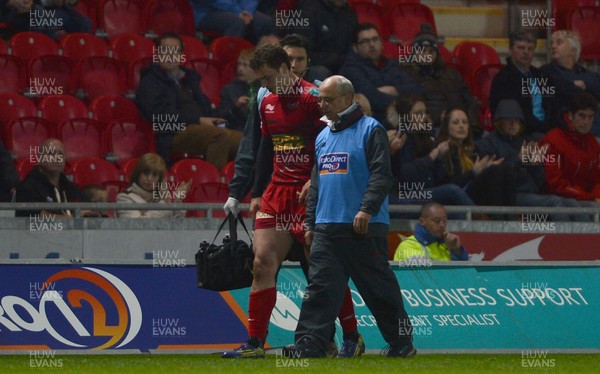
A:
x: 291, y: 121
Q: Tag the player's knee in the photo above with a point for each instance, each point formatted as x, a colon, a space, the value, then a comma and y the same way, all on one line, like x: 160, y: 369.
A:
x: 264, y: 266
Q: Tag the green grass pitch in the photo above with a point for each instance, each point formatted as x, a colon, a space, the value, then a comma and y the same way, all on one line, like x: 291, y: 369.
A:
x: 431, y: 363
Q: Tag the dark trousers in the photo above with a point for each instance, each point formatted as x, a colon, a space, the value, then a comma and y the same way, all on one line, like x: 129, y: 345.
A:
x: 332, y: 261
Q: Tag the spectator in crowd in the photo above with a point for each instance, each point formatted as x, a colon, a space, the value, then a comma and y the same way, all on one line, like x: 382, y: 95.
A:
x: 573, y: 169
x: 147, y: 186
x: 364, y: 103
x: 94, y: 193
x: 9, y: 178
x: 523, y: 155
x: 486, y: 180
x: 170, y: 94
x: 443, y: 86
x: 50, y: 17
x: 569, y: 76
x: 46, y: 182
x: 416, y: 158
x: 431, y: 240
x: 237, y: 18
x: 527, y: 85
x: 330, y: 24
x: 237, y: 95
x: 296, y: 47
x: 379, y: 78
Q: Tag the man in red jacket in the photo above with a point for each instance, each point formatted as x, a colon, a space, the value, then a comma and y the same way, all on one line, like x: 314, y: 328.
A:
x: 573, y: 157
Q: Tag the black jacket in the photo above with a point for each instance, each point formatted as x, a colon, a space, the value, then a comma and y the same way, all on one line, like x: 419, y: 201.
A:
x: 230, y: 93
x: 36, y: 188
x: 380, y: 182
x: 9, y: 178
x: 158, y: 94
x: 328, y: 32
x: 507, y: 84
x: 366, y: 77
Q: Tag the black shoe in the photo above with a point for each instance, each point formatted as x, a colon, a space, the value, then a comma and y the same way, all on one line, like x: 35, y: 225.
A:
x: 399, y: 351
x: 305, y: 348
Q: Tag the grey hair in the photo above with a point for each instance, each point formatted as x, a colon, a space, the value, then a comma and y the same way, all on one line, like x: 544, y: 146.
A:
x: 573, y: 40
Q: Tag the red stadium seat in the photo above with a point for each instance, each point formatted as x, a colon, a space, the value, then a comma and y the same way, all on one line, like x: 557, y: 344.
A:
x: 228, y: 48
x: 80, y: 45
x: 210, y: 83
x: 228, y: 171
x: 390, y: 50
x: 51, y: 75
x: 29, y: 45
x: 562, y: 9
x: 3, y: 48
x: 105, y: 109
x: 93, y: 170
x: 161, y: 16
x: 193, y: 48
x: 585, y: 21
x: 486, y: 120
x: 131, y: 47
x: 100, y: 76
x: 482, y: 82
x: 199, y: 171
x: 58, y: 109
x: 472, y: 54
x: 116, y: 17
x: 134, y: 71
x: 14, y: 106
x: 13, y: 74
x: 462, y: 70
x: 371, y: 12
x: 228, y: 73
x: 406, y: 20
x: 127, y: 168
x: 129, y: 138
x: 82, y: 138
x: 209, y: 192
x: 21, y: 134
x: 24, y: 166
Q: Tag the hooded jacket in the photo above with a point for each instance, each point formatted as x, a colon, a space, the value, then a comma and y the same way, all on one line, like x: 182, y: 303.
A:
x: 575, y: 171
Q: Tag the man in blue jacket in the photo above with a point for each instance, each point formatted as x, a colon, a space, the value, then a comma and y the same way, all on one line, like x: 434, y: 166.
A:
x: 348, y: 219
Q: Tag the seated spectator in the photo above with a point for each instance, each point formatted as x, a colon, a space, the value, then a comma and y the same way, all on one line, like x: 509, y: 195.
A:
x: 50, y: 17
x: 46, y: 182
x: 237, y: 95
x: 379, y: 78
x: 296, y: 47
x: 573, y: 169
x: 364, y: 103
x: 330, y: 24
x: 9, y: 178
x: 486, y: 180
x: 527, y: 85
x: 431, y: 240
x: 94, y: 193
x: 168, y: 90
x: 147, y: 180
x: 416, y: 157
x: 237, y: 18
x: 443, y: 86
x: 570, y: 77
x: 524, y: 156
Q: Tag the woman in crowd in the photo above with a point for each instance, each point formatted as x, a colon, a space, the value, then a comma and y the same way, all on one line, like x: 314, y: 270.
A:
x: 147, y: 186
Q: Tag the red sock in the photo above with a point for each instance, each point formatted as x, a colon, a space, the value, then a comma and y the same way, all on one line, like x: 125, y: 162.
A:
x: 259, y: 312
x: 347, y: 316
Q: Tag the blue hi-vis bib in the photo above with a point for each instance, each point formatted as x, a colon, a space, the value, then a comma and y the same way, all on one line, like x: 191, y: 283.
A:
x: 344, y: 173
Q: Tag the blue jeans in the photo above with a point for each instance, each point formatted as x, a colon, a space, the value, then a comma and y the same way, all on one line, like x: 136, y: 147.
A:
x: 231, y: 24
x: 534, y: 199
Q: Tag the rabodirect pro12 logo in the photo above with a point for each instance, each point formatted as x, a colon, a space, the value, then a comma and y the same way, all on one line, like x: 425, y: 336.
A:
x: 334, y: 163
x: 83, y: 308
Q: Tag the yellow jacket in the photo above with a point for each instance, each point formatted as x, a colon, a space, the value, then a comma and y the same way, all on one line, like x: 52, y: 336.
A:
x: 411, y: 248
